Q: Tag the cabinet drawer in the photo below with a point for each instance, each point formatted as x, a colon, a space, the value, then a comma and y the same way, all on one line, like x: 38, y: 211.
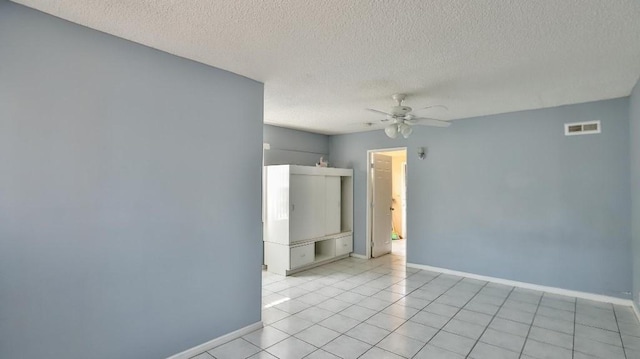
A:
x: 301, y: 255
x: 344, y: 245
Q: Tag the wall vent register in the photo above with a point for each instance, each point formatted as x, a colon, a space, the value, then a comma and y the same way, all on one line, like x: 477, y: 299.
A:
x: 581, y: 128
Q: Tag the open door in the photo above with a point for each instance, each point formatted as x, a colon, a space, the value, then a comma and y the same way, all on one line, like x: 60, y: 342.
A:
x: 382, y: 206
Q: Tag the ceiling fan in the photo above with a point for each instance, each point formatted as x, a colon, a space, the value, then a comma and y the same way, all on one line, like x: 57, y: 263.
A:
x: 401, y: 119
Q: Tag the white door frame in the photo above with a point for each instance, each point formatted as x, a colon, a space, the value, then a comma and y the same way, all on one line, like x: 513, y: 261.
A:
x: 370, y: 192
x: 403, y: 205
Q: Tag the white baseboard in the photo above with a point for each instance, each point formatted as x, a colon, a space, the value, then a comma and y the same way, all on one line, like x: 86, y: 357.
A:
x: 191, y: 352
x: 542, y: 288
x: 359, y: 256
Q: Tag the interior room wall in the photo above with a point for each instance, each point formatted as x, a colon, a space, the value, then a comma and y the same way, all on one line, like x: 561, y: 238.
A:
x: 126, y: 229
x: 634, y: 130
x: 510, y: 196
x: 294, y: 147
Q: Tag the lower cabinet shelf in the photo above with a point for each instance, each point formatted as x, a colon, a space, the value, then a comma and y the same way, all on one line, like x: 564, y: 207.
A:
x: 325, y: 249
x: 284, y: 260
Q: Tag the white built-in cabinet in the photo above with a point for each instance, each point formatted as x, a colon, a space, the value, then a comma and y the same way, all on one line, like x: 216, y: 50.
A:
x: 309, y: 216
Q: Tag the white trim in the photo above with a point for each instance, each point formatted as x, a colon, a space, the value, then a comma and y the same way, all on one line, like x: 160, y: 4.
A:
x: 542, y: 288
x: 315, y: 264
x: 635, y: 309
x: 313, y: 170
x: 369, y: 212
x: 360, y: 256
x: 198, y: 349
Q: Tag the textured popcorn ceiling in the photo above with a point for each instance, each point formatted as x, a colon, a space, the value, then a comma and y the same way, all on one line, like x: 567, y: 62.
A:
x: 324, y: 61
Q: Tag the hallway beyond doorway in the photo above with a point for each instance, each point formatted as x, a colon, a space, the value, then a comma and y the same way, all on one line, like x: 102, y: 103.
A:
x: 399, y: 247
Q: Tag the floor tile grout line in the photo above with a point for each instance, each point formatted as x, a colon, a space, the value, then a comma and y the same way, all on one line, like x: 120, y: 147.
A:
x: 432, y: 301
x: 393, y: 271
x: 575, y: 314
x: 331, y: 297
x: 531, y: 325
x: 624, y: 352
x: 380, y: 311
x: 361, y: 321
x: 491, y: 321
x: 315, y: 305
x: 495, y: 315
x: 463, y: 307
x: 318, y: 323
x: 406, y: 320
x: 451, y: 318
x: 314, y: 323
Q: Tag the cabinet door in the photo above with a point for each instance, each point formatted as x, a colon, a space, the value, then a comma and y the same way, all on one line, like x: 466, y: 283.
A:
x: 301, y: 255
x: 306, y: 210
x: 332, y: 204
x: 344, y: 245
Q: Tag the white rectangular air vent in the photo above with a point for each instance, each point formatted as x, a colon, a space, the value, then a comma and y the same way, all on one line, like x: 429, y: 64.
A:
x: 581, y: 128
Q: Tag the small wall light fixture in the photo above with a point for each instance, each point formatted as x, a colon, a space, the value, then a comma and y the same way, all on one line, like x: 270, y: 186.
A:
x: 422, y: 154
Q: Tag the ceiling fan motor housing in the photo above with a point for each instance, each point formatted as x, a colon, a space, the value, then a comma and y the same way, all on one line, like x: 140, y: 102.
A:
x: 399, y: 97
x: 400, y: 110
x: 402, y: 120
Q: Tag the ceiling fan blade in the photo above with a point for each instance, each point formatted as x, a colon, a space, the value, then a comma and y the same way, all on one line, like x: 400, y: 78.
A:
x: 428, y: 122
x: 378, y: 111
x: 434, y: 106
x: 374, y: 124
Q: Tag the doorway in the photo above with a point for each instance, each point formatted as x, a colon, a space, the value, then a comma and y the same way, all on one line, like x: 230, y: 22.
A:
x: 386, y: 202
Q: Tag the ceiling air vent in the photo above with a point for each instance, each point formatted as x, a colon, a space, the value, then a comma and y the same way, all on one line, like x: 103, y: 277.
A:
x: 581, y: 128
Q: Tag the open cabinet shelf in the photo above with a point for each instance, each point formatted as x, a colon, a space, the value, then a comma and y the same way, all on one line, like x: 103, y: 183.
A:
x: 325, y: 249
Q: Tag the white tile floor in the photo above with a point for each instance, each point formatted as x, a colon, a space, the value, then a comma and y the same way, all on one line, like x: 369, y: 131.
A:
x: 355, y: 308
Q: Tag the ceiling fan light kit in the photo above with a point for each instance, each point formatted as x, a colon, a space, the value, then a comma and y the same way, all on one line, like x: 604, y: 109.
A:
x: 405, y: 130
x: 391, y: 130
x: 403, y: 120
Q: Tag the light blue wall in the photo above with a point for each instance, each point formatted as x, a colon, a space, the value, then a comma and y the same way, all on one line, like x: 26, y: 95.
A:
x: 126, y: 229
x: 634, y: 130
x: 510, y: 196
x: 294, y: 147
